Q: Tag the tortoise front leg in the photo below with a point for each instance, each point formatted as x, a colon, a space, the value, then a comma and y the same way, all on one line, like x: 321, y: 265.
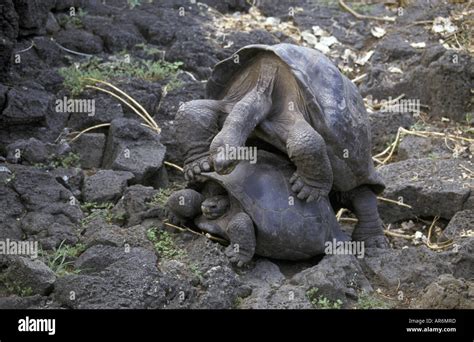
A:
x: 241, y: 233
x: 198, y: 122
x: 246, y: 114
x: 307, y: 150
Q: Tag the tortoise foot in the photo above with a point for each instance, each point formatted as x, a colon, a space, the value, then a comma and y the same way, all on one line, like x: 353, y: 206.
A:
x: 195, y: 167
x: 372, y: 241
x: 304, y: 191
x: 238, y: 256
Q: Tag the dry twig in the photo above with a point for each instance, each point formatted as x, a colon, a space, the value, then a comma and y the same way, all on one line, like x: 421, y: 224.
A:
x: 361, y: 16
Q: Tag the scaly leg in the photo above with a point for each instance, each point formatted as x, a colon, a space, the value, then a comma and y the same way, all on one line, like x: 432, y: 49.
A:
x: 307, y: 150
x: 241, y: 233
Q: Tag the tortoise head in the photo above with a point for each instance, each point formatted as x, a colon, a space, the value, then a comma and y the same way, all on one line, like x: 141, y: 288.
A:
x: 216, y: 206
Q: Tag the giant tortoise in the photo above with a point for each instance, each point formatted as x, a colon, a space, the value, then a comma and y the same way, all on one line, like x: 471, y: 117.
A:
x: 296, y: 101
x: 260, y: 214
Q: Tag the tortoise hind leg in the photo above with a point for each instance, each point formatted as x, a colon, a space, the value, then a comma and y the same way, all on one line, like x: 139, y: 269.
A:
x: 241, y: 233
x: 369, y: 226
x: 307, y: 150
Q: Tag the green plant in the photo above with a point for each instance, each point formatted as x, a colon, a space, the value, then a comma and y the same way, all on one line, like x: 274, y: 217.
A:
x: 237, y: 302
x: 149, y: 51
x: 69, y: 160
x: 161, y: 197
x: 362, y: 8
x: 366, y: 301
x: 76, y: 77
x: 469, y: 118
x: 91, y: 206
x: 14, y: 287
x: 322, y: 302
x: 194, y: 268
x: 418, y: 126
x: 61, y: 259
x: 73, y: 20
x: 94, y: 210
x: 164, y: 244
x: 134, y: 3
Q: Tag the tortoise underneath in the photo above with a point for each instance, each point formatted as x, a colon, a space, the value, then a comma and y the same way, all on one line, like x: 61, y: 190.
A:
x: 258, y: 215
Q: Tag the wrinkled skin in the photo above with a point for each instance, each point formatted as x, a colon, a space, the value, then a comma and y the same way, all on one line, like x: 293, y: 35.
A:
x: 265, y: 101
x: 217, y: 218
x: 259, y: 215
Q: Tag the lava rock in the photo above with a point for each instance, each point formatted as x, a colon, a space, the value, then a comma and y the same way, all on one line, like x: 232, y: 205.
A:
x: 221, y: 286
x: 134, y: 204
x: 12, y: 210
x: 118, y: 36
x: 228, y: 6
x: 431, y: 187
x: 22, y: 303
x: 411, y: 268
x: 105, y: 186
x: 32, y: 15
x: 90, y: 147
x: 131, y: 281
x: 414, y: 147
x: 198, y: 58
x: 48, y: 51
x: 446, y: 292
x: 132, y: 147
x: 99, y: 232
x: 80, y: 41
x: 9, y: 29
x: 99, y: 257
x: 34, y: 151
x: 384, y: 127
x: 27, y: 273
x: 106, y: 110
x: 25, y: 106
x: 52, y: 210
x: 461, y: 254
x: 443, y: 83
x: 392, y: 48
x: 264, y: 277
x: 52, y: 25
x: 335, y: 277
x: 69, y: 177
x: 461, y: 222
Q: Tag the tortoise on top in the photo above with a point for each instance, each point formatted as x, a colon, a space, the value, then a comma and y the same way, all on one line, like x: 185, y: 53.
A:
x: 294, y: 99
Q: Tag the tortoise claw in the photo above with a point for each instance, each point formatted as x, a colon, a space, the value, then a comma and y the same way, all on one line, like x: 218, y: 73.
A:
x: 196, y: 167
x: 304, y: 191
x: 297, y: 186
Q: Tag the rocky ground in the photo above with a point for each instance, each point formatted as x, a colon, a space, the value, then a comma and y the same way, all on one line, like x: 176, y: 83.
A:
x: 98, y: 213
